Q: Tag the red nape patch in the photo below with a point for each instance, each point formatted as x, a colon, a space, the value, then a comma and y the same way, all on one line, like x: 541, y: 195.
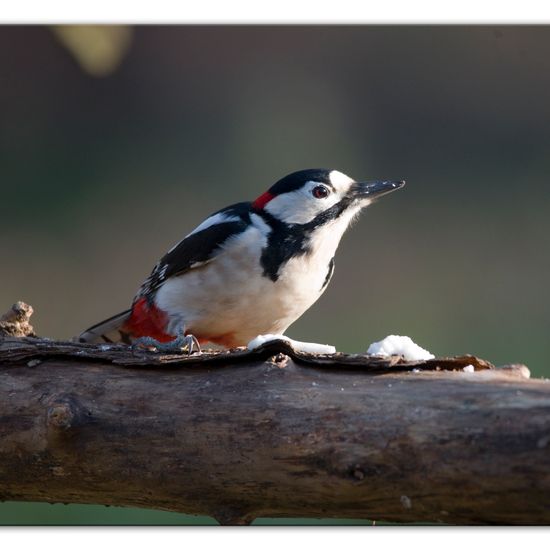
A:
x: 147, y: 320
x: 262, y: 200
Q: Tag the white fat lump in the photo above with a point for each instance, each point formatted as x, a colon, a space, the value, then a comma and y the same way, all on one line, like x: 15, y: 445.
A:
x: 399, y: 345
x: 306, y: 347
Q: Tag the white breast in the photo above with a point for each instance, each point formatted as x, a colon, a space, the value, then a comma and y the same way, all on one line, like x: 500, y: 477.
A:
x: 230, y: 297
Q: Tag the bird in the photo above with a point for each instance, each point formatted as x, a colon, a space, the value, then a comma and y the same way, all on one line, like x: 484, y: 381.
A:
x: 248, y: 269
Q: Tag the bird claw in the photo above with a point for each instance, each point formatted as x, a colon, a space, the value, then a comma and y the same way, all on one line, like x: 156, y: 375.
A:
x: 180, y: 344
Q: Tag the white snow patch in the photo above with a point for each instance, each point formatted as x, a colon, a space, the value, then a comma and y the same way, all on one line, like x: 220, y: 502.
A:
x: 406, y: 502
x: 399, y: 345
x: 525, y: 372
x: 469, y: 368
x: 306, y: 347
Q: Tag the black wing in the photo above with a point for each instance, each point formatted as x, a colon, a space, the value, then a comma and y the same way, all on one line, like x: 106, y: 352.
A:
x: 199, y: 247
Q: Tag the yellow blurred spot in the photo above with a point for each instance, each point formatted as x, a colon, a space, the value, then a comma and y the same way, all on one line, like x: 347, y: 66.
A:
x: 98, y: 49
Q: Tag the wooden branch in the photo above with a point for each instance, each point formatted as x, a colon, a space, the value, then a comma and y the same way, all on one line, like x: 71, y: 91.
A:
x: 238, y: 435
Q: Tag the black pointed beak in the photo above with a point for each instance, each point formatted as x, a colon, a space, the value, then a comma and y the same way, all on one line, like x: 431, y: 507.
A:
x: 376, y: 189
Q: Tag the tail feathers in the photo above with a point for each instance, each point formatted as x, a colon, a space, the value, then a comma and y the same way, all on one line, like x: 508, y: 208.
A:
x: 110, y: 330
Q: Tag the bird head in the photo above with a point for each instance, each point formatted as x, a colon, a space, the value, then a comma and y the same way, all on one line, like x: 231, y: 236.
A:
x: 318, y: 196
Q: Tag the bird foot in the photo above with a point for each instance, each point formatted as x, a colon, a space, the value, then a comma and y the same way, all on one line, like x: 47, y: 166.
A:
x: 181, y: 343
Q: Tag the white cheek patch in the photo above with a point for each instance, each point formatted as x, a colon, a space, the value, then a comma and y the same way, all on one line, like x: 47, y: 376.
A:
x: 300, y: 206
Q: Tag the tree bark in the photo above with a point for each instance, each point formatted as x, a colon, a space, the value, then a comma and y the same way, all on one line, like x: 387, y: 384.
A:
x: 274, y: 433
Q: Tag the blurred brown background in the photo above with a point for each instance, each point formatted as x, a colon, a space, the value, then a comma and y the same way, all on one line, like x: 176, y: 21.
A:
x: 116, y: 141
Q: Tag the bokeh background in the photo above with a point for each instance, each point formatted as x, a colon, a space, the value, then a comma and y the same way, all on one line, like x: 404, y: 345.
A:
x: 116, y: 141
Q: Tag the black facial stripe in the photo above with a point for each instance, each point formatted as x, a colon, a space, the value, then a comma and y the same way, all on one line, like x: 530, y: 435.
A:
x: 285, y: 241
x: 328, y: 215
x: 330, y: 271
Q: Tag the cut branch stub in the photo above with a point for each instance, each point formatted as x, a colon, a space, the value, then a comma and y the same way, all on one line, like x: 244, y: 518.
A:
x: 15, y: 322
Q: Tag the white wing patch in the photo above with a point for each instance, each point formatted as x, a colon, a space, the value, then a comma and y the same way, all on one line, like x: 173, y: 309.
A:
x: 212, y: 220
x: 260, y: 224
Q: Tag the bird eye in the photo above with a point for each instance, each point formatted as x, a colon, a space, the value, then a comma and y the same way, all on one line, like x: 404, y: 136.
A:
x: 320, y: 192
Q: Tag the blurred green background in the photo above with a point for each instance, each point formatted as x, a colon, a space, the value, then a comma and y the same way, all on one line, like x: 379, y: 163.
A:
x: 116, y: 141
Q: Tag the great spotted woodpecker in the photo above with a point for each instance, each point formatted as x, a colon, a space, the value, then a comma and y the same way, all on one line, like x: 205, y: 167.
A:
x: 248, y: 269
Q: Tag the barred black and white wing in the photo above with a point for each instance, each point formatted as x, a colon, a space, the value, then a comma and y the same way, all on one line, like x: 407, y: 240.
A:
x: 199, y: 247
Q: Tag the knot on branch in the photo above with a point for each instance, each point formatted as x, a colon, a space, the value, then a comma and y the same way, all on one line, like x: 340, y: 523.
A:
x: 65, y: 415
x: 15, y: 322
